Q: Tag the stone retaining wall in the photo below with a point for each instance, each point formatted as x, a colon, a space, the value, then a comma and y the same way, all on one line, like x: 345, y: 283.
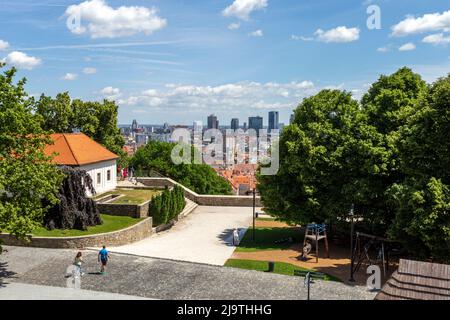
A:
x: 203, y: 200
x: 137, y: 232
x: 131, y: 210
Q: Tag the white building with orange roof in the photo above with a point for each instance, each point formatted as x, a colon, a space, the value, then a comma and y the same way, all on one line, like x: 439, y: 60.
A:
x: 79, y: 151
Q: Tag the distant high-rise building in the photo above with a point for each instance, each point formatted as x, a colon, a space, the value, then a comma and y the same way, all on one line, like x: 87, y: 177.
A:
x: 134, y: 126
x: 274, y: 121
x: 212, y: 122
x: 198, y: 126
x: 291, y: 119
x: 245, y: 126
x: 255, y: 123
x: 235, y: 124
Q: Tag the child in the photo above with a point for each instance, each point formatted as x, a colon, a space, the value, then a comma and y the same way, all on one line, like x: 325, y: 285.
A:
x: 103, y: 257
x: 78, y: 262
x: 306, y: 250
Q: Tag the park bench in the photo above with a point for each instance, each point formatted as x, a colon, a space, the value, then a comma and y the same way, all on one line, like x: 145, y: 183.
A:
x: 309, y: 276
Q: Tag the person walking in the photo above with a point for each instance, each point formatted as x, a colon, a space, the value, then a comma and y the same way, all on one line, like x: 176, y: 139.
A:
x: 103, y: 257
x: 78, y: 262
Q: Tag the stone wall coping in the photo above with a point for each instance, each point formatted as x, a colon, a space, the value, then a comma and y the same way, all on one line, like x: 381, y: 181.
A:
x: 193, y: 192
x: 86, y: 236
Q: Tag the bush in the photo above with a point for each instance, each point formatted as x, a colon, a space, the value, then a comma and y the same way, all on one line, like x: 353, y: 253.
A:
x: 167, y: 205
x: 155, y: 157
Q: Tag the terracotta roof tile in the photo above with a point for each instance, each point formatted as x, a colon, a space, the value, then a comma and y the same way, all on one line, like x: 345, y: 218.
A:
x: 76, y: 149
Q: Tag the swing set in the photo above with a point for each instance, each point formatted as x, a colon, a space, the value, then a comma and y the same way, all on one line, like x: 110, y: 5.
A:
x: 371, y: 249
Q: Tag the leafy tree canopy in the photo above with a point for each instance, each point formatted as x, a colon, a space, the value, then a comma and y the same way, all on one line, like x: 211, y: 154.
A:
x: 98, y: 120
x: 26, y: 174
x: 388, y: 155
x: 201, y: 178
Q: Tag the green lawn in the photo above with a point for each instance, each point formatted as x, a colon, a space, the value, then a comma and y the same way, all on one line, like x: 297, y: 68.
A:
x: 280, y: 267
x: 131, y: 196
x: 265, y: 239
x: 110, y: 223
x: 265, y: 219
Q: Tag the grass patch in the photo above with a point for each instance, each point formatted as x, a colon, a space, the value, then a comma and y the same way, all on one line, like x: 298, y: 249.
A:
x: 131, y: 196
x: 110, y: 223
x: 265, y: 239
x: 265, y: 219
x: 279, y: 268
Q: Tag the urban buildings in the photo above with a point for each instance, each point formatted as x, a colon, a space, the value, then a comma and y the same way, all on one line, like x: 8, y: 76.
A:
x: 274, y: 121
x: 213, y: 123
x: 234, y: 124
x: 255, y: 123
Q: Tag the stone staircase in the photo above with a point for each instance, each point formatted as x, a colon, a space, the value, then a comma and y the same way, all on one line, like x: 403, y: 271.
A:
x: 190, y: 206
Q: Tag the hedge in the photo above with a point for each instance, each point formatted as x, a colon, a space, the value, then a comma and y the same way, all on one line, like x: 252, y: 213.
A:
x: 167, y: 205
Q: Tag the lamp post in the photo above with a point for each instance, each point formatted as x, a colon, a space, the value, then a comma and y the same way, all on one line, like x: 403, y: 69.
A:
x: 254, y: 212
x: 352, y: 230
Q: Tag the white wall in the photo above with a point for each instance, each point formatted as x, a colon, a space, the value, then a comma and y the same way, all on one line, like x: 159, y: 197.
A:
x: 102, y: 169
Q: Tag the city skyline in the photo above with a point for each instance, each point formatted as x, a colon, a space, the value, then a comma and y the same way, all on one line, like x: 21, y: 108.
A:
x: 176, y: 61
x: 223, y: 124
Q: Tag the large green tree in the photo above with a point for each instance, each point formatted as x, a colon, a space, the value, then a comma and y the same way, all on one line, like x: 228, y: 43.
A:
x: 422, y: 199
x: 201, y: 178
x: 26, y: 174
x: 388, y: 156
x: 98, y: 120
x: 329, y: 159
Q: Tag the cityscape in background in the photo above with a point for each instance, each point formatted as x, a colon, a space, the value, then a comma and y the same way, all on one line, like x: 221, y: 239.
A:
x: 240, y: 175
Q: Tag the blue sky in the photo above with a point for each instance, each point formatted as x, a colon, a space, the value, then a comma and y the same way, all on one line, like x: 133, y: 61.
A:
x: 178, y: 61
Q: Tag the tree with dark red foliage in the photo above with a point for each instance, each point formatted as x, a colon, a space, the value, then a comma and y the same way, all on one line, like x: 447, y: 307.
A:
x: 75, y: 209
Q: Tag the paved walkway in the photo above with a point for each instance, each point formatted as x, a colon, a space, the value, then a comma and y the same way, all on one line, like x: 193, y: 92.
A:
x: 205, y: 236
x: 22, y: 291
x: 162, y: 279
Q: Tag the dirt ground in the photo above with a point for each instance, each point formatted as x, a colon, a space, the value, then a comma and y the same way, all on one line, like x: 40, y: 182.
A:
x: 337, y: 265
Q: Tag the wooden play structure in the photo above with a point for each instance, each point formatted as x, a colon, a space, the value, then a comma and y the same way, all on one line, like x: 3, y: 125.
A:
x: 313, y: 234
x: 370, y: 249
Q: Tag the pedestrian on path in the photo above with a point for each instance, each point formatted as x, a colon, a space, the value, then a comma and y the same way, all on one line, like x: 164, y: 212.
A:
x: 103, y: 257
x: 78, y: 262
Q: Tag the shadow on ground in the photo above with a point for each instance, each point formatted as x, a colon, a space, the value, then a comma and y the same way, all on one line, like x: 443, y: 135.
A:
x: 5, y: 273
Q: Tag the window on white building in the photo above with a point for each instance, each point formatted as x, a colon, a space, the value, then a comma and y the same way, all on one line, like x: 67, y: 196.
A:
x: 99, y: 178
x: 108, y: 175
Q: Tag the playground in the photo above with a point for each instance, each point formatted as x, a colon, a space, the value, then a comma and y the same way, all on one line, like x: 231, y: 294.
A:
x: 265, y: 248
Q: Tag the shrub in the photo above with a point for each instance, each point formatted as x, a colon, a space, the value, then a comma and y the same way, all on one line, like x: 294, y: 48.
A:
x: 167, y: 205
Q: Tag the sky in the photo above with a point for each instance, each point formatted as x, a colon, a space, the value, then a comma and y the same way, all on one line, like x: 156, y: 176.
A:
x: 178, y: 61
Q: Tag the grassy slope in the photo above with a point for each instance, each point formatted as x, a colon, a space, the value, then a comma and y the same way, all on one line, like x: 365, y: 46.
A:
x: 280, y: 267
x: 136, y: 196
x: 265, y: 239
x: 110, y: 223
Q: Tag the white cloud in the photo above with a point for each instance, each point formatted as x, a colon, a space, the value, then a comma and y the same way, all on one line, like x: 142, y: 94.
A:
x: 437, y: 38
x: 383, y: 49
x: 111, y: 93
x: 100, y: 20
x: 426, y: 23
x: 89, y: 70
x: 407, y: 47
x: 4, y: 45
x: 69, y: 76
x: 295, y: 37
x: 243, y: 8
x: 21, y: 60
x: 234, y: 26
x: 226, y: 97
x: 257, y: 33
x: 340, y: 34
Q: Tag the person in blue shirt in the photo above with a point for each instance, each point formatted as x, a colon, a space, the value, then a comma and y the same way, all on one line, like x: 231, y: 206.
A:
x: 103, y: 257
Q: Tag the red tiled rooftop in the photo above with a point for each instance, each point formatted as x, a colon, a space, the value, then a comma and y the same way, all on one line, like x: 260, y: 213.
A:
x: 76, y: 149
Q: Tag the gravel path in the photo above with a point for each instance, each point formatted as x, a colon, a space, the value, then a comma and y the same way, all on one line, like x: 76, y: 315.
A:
x: 205, y: 236
x: 163, y: 279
